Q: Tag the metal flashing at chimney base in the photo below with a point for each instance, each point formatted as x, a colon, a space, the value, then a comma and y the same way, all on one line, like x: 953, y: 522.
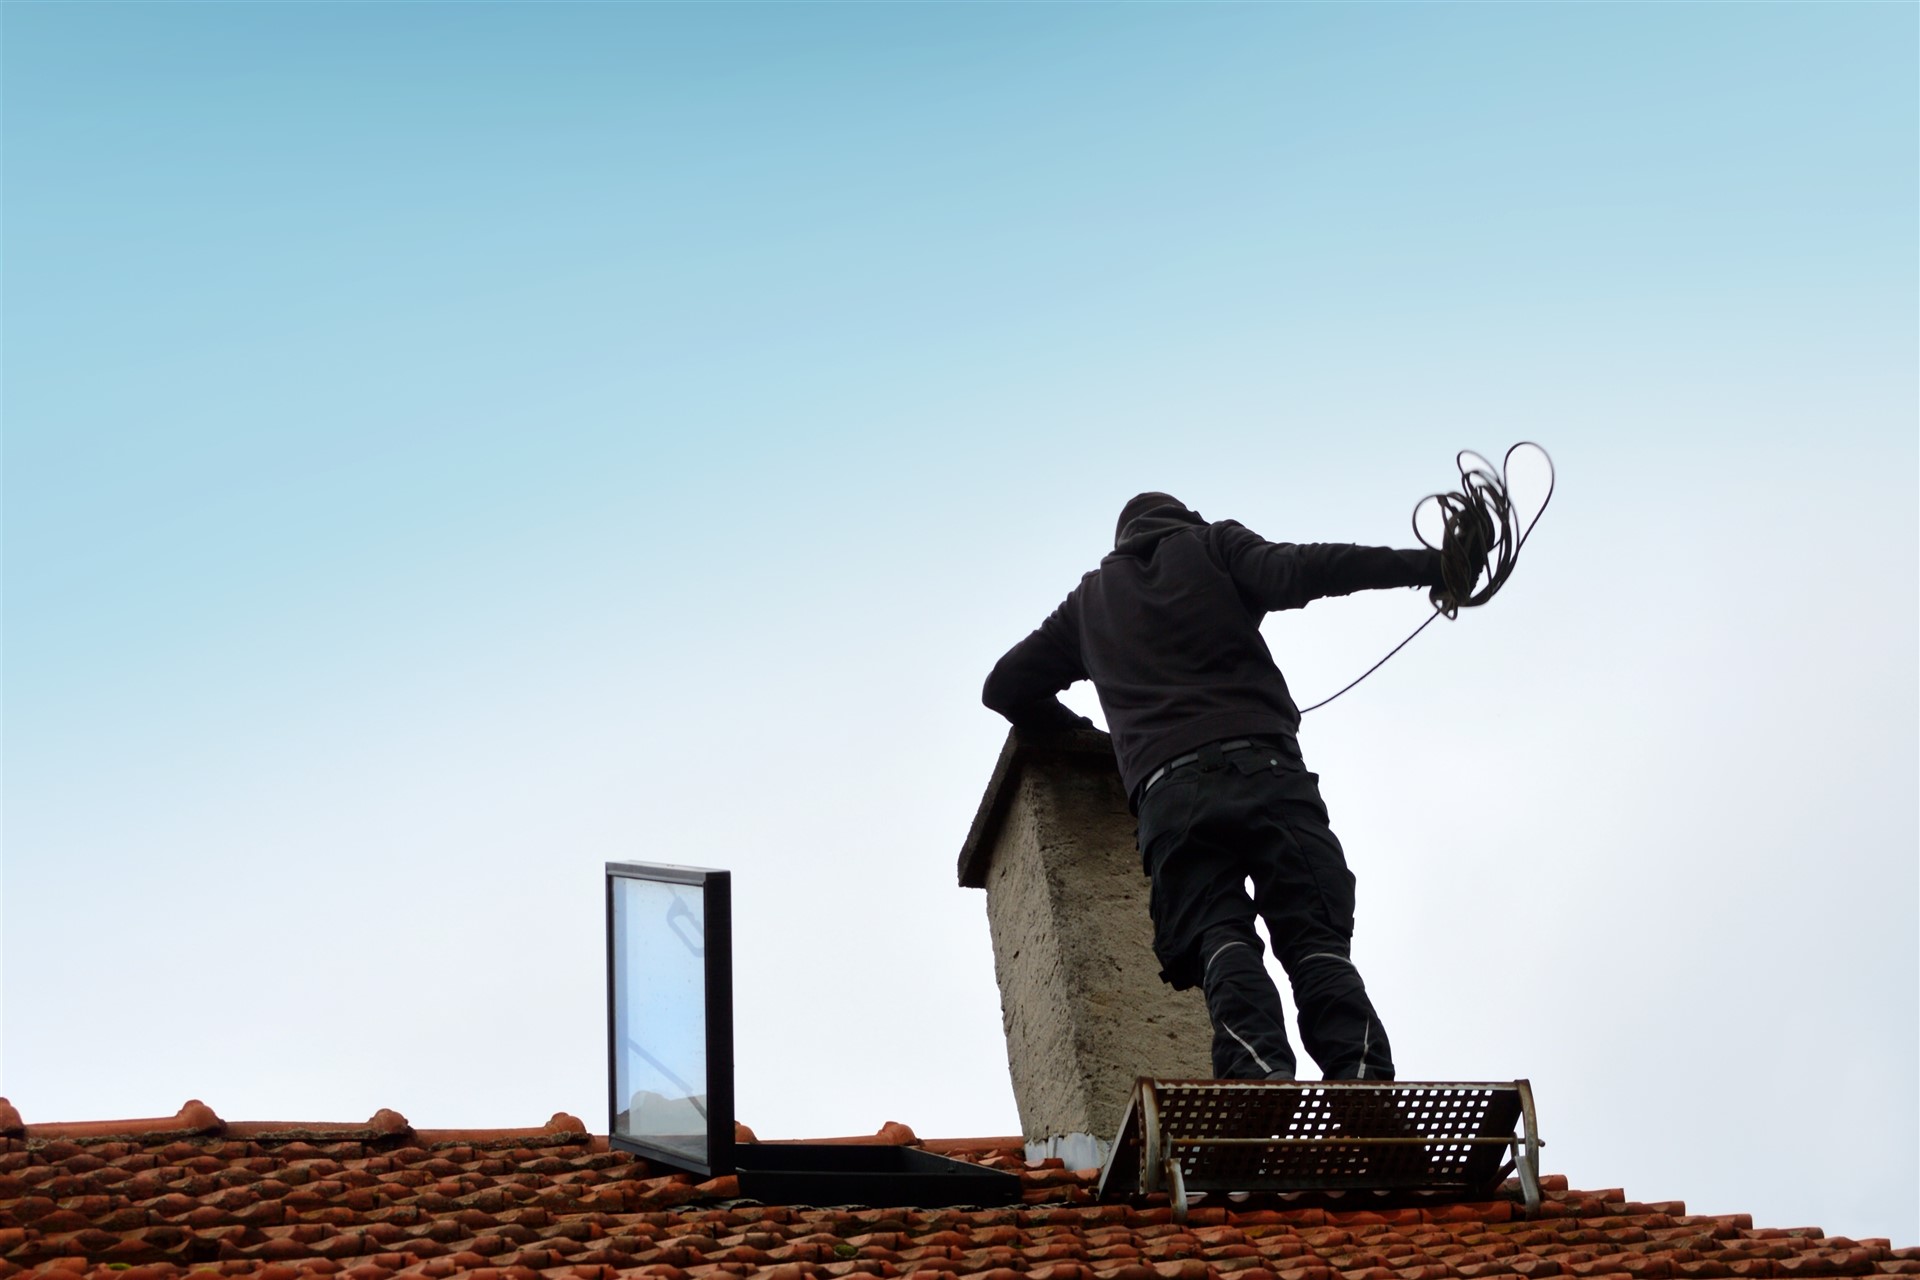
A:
x: 1074, y: 1150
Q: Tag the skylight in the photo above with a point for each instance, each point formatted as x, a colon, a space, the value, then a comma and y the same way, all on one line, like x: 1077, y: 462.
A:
x: 670, y: 1013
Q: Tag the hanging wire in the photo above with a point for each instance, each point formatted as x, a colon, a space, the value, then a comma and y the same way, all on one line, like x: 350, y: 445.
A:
x: 1476, y: 540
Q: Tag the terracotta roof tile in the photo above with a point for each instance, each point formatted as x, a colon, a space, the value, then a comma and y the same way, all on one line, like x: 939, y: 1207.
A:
x: 192, y: 1196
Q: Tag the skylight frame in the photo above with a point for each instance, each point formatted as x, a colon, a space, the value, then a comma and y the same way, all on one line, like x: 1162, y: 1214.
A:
x: 716, y: 896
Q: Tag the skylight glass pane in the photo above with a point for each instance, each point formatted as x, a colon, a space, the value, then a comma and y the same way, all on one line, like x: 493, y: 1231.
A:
x: 660, y: 1015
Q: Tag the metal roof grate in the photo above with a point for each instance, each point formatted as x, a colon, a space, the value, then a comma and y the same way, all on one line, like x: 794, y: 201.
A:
x: 1439, y: 1139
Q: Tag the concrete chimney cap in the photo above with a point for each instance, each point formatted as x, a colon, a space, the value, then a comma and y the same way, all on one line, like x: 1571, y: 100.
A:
x: 1094, y: 745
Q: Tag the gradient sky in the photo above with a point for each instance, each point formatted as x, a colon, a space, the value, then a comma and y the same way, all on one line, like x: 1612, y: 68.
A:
x: 449, y: 447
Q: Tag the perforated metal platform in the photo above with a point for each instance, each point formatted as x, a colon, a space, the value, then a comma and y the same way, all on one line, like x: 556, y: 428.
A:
x: 1433, y: 1140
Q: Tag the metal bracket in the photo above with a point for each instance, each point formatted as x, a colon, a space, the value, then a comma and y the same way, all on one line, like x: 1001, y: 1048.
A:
x: 1528, y: 1161
x: 1151, y: 1161
x: 1179, y: 1186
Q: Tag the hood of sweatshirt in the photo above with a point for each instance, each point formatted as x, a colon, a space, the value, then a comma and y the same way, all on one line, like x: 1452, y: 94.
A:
x: 1148, y: 520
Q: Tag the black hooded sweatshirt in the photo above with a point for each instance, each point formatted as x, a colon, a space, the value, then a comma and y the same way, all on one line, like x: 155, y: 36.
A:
x: 1168, y: 630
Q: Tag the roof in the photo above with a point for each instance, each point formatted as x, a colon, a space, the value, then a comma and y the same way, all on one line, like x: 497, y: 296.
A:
x: 192, y: 1195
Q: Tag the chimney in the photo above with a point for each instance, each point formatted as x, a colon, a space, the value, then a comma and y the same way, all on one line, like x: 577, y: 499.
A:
x: 1081, y: 1000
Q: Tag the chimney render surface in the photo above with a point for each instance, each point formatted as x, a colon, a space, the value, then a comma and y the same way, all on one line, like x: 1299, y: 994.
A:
x: 1081, y: 1000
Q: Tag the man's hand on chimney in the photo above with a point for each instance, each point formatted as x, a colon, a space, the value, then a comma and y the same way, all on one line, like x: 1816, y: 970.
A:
x: 1050, y: 715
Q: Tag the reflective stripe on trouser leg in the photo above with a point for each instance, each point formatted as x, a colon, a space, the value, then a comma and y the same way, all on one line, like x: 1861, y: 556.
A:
x: 1306, y: 894
x: 1249, y: 1028
x: 1338, y: 1024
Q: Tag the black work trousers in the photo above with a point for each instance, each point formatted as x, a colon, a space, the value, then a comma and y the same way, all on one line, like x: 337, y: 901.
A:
x: 1205, y: 830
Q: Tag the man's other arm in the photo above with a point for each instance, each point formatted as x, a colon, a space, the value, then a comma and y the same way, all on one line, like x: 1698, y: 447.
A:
x: 1023, y: 686
x: 1286, y: 575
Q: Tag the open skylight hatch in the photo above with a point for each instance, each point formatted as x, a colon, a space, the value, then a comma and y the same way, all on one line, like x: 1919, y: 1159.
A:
x: 670, y: 1061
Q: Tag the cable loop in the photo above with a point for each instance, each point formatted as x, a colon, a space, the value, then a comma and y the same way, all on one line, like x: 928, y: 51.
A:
x: 1477, y: 527
x: 1476, y: 540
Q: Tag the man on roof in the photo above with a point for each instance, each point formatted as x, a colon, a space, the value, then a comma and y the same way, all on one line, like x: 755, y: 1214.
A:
x: 1204, y: 730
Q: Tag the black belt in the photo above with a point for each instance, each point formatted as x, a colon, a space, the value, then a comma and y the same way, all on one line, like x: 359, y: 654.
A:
x: 1193, y: 757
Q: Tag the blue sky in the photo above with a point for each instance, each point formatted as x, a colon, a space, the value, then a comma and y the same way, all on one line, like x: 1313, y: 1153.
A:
x: 448, y: 447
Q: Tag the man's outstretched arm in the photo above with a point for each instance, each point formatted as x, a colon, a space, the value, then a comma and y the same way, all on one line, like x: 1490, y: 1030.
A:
x: 1024, y: 685
x: 1284, y: 575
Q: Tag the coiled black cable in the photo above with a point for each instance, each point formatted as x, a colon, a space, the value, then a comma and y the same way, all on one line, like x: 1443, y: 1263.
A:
x: 1476, y: 540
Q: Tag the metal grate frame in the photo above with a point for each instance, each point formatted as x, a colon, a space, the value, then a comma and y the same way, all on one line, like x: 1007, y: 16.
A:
x: 1438, y: 1139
